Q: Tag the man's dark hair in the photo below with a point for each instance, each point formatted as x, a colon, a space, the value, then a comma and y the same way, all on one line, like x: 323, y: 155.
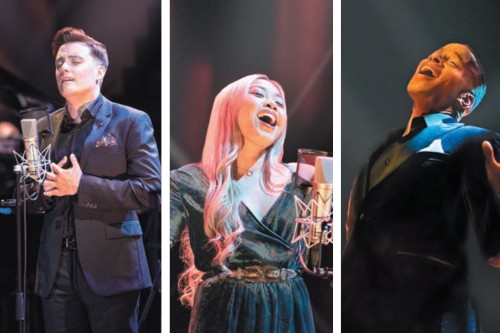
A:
x: 71, y: 35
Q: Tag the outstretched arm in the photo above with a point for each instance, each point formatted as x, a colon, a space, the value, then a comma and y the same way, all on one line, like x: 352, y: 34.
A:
x: 178, y: 212
x: 493, y: 174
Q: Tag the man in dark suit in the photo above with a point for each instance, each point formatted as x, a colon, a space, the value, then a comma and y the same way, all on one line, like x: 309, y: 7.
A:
x: 92, y: 264
x: 404, y: 265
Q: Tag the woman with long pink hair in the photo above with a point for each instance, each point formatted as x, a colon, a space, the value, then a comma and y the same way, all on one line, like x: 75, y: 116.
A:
x: 234, y: 213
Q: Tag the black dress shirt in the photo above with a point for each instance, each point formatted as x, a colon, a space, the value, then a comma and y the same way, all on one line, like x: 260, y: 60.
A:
x: 70, y: 141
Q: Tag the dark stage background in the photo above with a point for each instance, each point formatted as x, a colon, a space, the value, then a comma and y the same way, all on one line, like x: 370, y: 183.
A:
x: 214, y: 43
x: 382, y: 43
x: 131, y: 29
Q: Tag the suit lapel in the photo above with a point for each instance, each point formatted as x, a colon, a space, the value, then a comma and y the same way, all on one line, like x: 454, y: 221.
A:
x: 101, y: 122
x: 397, y: 153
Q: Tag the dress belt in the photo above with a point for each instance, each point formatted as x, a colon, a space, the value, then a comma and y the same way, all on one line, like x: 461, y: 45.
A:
x: 256, y: 274
x: 69, y: 243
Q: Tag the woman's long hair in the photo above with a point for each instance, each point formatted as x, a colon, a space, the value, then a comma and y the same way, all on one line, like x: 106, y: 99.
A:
x: 222, y: 223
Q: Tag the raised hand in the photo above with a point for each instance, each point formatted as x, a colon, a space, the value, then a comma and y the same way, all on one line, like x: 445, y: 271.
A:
x: 492, y: 167
x: 61, y: 182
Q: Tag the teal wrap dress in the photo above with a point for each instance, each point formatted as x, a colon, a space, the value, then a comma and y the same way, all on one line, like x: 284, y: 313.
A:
x: 232, y: 304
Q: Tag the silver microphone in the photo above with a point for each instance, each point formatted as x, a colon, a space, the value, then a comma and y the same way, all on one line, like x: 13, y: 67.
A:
x: 33, y: 163
x: 31, y: 147
x: 322, y: 191
x: 313, y: 224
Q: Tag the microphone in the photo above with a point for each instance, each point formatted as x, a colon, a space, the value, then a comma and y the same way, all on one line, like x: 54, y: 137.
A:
x: 314, y: 218
x: 33, y: 163
x: 38, y: 113
x: 31, y: 147
x: 322, y: 191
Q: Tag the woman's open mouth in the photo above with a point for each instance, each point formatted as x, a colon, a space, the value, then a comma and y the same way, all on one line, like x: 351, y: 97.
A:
x: 267, y: 118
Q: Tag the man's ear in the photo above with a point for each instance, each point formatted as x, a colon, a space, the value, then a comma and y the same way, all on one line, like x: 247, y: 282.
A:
x: 101, y: 71
x: 465, y: 102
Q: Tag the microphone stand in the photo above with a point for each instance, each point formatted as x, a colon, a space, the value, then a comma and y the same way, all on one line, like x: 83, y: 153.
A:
x: 21, y: 285
x: 155, y: 288
x: 34, y: 114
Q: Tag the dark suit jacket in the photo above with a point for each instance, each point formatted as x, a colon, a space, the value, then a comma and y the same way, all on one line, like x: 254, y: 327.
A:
x: 404, y: 268
x: 121, y: 175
